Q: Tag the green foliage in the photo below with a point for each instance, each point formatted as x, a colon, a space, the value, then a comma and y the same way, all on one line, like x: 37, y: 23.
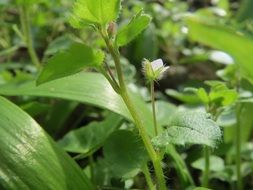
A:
x: 180, y: 165
x: 226, y: 39
x: 184, y: 97
x: 90, y: 12
x: 130, y: 31
x: 69, y: 62
x: 89, y: 88
x: 30, y: 159
x: 201, y: 188
x: 72, y: 104
x: 29, y: 2
x: 165, y: 111
x: 88, y: 139
x: 216, y: 164
x: 219, y: 94
x: 130, y: 156
x: 189, y: 127
x: 245, y: 12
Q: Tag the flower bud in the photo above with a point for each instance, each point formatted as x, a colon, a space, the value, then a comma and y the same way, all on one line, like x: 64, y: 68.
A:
x: 154, y: 70
x: 112, y: 29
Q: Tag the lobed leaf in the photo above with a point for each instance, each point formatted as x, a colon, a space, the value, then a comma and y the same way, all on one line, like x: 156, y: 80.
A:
x: 90, y: 12
x: 88, y: 139
x: 30, y: 159
x: 189, y: 127
x: 130, y: 156
x: 130, y: 31
x: 69, y: 62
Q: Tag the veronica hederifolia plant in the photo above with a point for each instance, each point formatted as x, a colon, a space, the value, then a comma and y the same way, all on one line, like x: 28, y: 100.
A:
x: 100, y: 15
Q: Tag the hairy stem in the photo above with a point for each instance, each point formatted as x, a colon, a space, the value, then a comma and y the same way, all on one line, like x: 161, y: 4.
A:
x: 152, y: 93
x: 26, y: 29
x: 148, y: 178
x: 155, y: 158
x: 205, y: 182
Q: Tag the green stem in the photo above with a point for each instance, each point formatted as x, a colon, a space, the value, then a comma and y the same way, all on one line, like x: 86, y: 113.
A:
x: 155, y: 158
x: 148, y: 178
x: 238, y: 148
x: 146, y: 140
x: 152, y: 93
x: 180, y: 165
x: 91, y: 162
x: 112, y: 82
x: 205, y: 182
x: 26, y: 29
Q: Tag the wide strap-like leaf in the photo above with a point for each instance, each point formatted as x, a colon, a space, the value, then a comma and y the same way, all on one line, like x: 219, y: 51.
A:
x: 89, y: 88
x: 30, y: 159
x: 238, y: 45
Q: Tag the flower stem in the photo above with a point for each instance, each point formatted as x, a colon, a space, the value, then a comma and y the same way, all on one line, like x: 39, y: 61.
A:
x: 155, y: 158
x: 26, y: 29
x: 152, y: 93
x: 205, y: 182
x: 148, y: 178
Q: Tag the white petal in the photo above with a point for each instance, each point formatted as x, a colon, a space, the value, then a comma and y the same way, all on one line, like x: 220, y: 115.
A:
x: 165, y: 69
x: 157, y: 64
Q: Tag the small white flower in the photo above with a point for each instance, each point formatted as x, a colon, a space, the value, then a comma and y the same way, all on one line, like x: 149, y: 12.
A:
x: 154, y: 70
x: 157, y: 64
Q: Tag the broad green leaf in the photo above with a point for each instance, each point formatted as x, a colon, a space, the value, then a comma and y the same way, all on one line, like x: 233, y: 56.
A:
x: 60, y: 43
x: 88, y: 139
x: 201, y: 188
x: 30, y: 159
x: 69, y: 62
x: 216, y: 164
x: 34, y: 108
x: 224, y: 4
x: 28, y: 2
x: 85, y: 87
x: 164, y: 111
x: 99, y: 12
x: 225, y: 39
x: 190, y: 127
x: 246, y: 121
x: 203, y: 96
x: 57, y: 116
x: 185, y: 97
x: 138, y: 49
x: 221, y: 94
x: 130, y: 31
x: 130, y: 155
